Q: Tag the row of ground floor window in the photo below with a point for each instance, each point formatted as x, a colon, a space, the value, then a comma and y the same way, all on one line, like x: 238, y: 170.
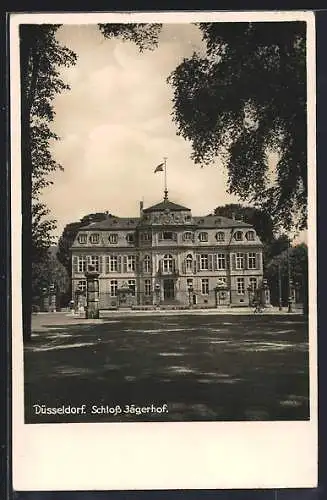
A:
x: 211, y: 291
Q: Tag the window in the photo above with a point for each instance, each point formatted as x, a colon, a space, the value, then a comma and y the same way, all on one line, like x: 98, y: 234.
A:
x: 131, y: 286
x: 238, y: 236
x: 240, y: 286
x: 130, y: 238
x: 250, y: 235
x: 189, y: 262
x: 205, y: 286
x: 131, y: 262
x: 168, y: 235
x: 189, y: 283
x: 81, y: 286
x: 239, y: 261
x: 81, y: 264
x: 147, y: 264
x: 252, y: 262
x: 113, y: 288
x: 113, y: 263
x: 220, y: 236
x: 146, y: 236
x: 203, y: 236
x: 168, y: 263
x: 221, y: 261
x: 113, y: 238
x: 222, y: 281
x: 94, y: 262
x: 94, y: 238
x: 82, y: 239
x: 187, y: 218
x: 147, y: 288
x: 188, y: 236
x: 204, y: 264
x: 253, y: 284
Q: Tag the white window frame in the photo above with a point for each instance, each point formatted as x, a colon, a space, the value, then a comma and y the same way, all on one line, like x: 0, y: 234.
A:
x: 130, y: 238
x: 168, y: 263
x: 132, y: 286
x: 113, y: 238
x: 147, y: 264
x: 147, y: 288
x: 94, y: 260
x: 252, y: 260
x: 205, y: 286
x: 94, y: 238
x: 204, y: 262
x: 81, y: 286
x: 131, y: 263
x: 221, y: 261
x: 189, y: 263
x: 238, y: 235
x: 113, y: 288
x: 203, y: 236
x: 250, y: 235
x: 220, y: 236
x: 81, y: 263
x: 188, y: 236
x: 239, y: 261
x: 253, y: 281
x: 240, y: 284
x: 82, y: 239
x: 113, y: 263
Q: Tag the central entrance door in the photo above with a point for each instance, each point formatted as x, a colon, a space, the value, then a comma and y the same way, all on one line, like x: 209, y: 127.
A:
x: 169, y: 289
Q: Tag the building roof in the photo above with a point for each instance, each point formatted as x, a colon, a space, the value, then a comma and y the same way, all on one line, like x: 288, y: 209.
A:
x: 210, y: 221
x: 113, y: 223
x: 166, y: 205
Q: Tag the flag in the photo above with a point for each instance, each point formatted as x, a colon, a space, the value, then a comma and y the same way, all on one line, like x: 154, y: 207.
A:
x: 159, y: 168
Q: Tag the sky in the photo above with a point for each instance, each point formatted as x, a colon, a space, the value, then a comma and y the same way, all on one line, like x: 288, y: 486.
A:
x: 115, y: 127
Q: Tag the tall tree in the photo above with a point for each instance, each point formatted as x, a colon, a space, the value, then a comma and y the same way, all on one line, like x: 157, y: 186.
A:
x: 243, y: 99
x: 41, y: 57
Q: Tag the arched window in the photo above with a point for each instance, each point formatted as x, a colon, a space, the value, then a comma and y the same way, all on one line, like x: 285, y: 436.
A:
x: 189, y: 262
x: 250, y: 235
x: 147, y: 264
x: 94, y: 238
x: 168, y: 263
x: 238, y: 235
x: 220, y: 236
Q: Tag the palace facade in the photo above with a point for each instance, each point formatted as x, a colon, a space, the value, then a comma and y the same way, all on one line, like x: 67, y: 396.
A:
x: 167, y: 256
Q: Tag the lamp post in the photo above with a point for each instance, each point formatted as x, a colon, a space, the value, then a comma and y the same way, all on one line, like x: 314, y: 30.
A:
x: 279, y: 287
x: 249, y: 289
x: 289, y: 301
x: 157, y: 290
x: 190, y: 292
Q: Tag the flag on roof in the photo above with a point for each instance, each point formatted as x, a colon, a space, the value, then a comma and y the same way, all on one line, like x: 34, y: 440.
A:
x: 159, y: 168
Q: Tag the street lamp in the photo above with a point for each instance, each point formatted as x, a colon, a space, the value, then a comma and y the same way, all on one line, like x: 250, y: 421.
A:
x: 190, y: 291
x: 157, y: 291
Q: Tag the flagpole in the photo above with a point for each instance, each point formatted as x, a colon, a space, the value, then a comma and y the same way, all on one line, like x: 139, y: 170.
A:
x: 166, y: 190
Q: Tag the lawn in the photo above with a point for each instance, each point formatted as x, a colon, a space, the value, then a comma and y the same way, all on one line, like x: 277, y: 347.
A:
x: 217, y: 368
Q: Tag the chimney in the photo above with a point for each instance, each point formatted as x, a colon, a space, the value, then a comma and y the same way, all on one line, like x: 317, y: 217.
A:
x: 141, y: 208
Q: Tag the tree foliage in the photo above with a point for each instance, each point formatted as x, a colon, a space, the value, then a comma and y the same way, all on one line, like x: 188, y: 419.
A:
x: 243, y: 99
x: 278, y: 269
x: 145, y: 36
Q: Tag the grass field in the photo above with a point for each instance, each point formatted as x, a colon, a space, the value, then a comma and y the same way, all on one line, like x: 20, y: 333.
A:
x: 218, y: 368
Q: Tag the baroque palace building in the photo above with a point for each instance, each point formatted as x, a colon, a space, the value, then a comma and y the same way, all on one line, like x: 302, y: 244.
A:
x: 167, y: 256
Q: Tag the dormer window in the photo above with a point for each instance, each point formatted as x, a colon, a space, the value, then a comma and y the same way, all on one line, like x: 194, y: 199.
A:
x: 113, y: 238
x: 203, y: 236
x: 238, y: 236
x: 94, y: 238
x: 220, y: 236
x: 130, y: 238
x: 168, y: 235
x: 188, y: 236
x: 250, y: 235
x: 82, y: 239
